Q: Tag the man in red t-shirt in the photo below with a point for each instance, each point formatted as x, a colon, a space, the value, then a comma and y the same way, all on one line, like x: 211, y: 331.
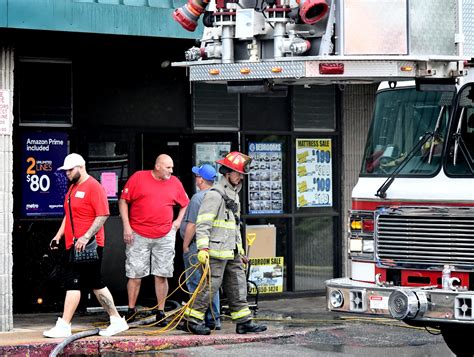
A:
x: 86, y: 210
x: 146, y: 207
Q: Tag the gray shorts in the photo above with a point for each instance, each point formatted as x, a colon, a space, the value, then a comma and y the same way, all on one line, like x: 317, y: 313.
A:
x: 150, y: 255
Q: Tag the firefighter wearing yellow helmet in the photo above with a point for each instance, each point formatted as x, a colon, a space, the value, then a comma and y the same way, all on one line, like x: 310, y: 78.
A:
x: 219, y: 241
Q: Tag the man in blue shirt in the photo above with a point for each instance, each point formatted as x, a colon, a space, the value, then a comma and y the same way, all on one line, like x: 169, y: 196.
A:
x: 205, y: 176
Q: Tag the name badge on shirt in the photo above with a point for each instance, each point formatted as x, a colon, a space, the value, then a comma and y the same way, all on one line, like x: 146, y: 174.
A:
x: 80, y: 194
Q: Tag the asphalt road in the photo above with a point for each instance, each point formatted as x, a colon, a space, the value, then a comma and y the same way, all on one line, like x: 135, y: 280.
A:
x: 349, y: 339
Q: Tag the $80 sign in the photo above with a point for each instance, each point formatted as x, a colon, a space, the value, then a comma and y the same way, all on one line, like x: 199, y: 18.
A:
x: 38, y: 180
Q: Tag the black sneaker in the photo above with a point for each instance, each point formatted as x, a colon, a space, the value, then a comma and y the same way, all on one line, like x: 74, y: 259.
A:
x: 131, y: 314
x: 160, y: 318
x: 249, y: 326
x: 194, y: 328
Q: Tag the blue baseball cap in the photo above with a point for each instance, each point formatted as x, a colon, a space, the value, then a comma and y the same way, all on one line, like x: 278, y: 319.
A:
x: 206, y: 171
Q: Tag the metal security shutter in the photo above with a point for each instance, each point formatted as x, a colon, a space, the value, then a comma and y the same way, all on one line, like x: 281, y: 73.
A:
x: 214, y: 108
x: 314, y: 108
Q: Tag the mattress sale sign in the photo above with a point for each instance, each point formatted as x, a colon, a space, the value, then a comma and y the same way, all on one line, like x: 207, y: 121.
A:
x: 313, y: 173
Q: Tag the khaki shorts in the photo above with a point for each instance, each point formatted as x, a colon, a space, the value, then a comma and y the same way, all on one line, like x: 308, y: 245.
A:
x: 150, y: 256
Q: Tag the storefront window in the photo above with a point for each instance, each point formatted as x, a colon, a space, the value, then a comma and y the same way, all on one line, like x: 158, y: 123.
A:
x: 314, y: 108
x: 313, y: 252
x: 263, y: 113
x: 209, y: 114
x: 108, y: 163
x: 209, y: 153
x: 45, y: 92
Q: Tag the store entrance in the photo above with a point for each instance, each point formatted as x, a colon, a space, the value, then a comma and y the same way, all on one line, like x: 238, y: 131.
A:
x: 36, y: 268
x: 186, y: 150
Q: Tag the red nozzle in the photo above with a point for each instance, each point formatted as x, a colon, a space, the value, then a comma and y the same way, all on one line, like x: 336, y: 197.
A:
x: 184, y: 21
x: 188, y: 14
x: 313, y: 10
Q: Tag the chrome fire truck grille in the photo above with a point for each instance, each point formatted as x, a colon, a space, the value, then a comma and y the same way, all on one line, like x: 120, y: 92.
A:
x: 425, y: 236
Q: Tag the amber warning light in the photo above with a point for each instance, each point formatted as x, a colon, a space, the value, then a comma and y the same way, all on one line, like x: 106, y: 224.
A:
x: 331, y: 68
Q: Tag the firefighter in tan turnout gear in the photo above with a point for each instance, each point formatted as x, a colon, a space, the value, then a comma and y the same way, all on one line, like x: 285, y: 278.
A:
x: 219, y: 240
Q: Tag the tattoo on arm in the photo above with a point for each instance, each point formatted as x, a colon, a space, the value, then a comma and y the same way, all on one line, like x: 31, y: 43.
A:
x: 96, y: 225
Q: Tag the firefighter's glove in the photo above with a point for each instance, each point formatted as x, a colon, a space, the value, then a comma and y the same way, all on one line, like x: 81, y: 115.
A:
x: 203, y: 256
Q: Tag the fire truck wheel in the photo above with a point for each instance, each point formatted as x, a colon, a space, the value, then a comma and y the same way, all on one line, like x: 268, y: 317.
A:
x: 456, y: 337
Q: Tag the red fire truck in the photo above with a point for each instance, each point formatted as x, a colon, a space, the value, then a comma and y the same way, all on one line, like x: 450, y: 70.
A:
x: 411, y: 235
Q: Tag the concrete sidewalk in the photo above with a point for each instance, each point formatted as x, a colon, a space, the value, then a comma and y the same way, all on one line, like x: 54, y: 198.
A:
x: 284, y: 318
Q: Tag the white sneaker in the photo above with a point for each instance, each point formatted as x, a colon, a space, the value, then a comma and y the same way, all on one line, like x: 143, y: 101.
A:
x: 62, y: 329
x: 117, y: 325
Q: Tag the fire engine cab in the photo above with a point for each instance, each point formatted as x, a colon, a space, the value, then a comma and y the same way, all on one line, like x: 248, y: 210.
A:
x: 411, y: 226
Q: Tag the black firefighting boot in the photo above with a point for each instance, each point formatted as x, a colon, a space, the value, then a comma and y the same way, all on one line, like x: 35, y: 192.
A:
x: 249, y: 326
x: 194, y: 328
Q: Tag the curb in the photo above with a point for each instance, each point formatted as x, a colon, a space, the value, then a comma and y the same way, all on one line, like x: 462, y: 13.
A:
x: 99, y: 345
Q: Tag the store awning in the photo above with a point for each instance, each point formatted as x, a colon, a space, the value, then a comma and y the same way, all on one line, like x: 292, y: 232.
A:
x: 119, y: 17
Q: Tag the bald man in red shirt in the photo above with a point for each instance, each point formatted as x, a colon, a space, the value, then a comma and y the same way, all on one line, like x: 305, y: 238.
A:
x: 146, y: 207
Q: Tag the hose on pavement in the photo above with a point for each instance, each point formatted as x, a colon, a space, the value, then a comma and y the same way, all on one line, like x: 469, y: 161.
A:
x: 58, y: 349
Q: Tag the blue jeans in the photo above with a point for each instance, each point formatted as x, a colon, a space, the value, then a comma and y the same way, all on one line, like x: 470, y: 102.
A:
x: 190, y: 258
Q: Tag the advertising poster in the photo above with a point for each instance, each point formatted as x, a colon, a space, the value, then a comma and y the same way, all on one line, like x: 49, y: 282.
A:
x: 267, y: 274
x: 109, y: 182
x: 265, y: 179
x: 313, y: 173
x: 43, y: 187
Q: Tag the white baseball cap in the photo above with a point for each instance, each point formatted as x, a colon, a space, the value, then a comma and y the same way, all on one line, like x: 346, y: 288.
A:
x: 71, y: 161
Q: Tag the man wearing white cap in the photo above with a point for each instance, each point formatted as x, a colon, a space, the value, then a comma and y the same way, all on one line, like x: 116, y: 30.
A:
x: 86, y: 210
